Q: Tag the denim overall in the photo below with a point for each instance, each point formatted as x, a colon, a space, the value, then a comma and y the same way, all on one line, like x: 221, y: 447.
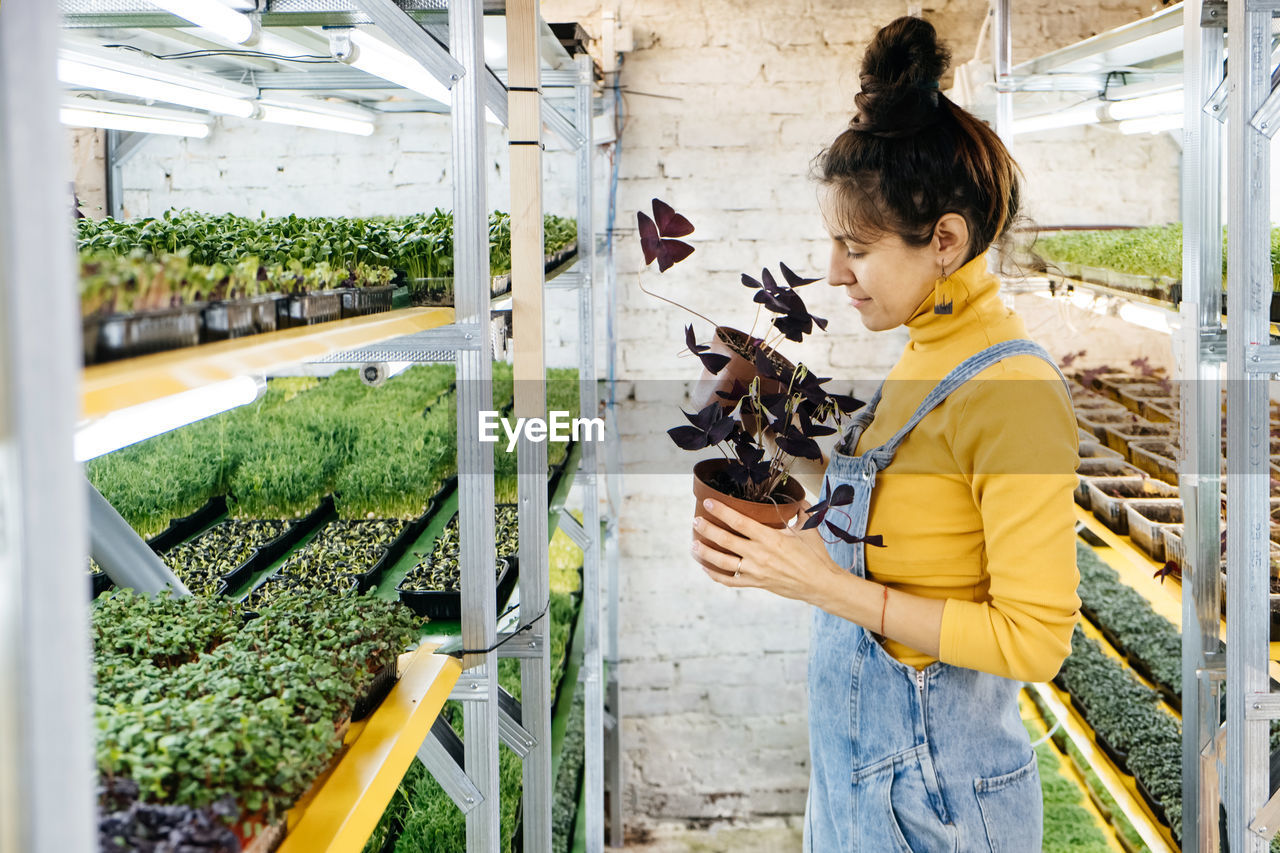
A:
x: 906, y: 761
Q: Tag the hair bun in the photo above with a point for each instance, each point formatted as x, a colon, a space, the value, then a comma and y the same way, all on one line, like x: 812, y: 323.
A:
x: 899, y: 78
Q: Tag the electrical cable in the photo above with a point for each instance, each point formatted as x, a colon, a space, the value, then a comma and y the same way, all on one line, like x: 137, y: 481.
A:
x: 310, y: 58
x: 460, y: 652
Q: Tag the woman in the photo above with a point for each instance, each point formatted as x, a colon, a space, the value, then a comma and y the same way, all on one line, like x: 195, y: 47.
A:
x: 963, y: 464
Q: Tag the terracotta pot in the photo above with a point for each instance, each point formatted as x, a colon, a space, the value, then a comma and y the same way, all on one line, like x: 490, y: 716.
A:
x: 776, y: 515
x: 738, y: 369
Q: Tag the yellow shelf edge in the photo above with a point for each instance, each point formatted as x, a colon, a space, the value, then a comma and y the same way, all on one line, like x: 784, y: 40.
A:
x: 347, y: 803
x: 116, y: 385
x: 1068, y: 770
x: 1122, y: 788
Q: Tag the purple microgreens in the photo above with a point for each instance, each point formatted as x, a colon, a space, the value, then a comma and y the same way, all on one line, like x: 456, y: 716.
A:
x: 713, y: 362
x: 1070, y: 358
x: 657, y: 237
x: 710, y: 426
x: 1089, y: 377
x: 1169, y: 569
x: 1143, y: 366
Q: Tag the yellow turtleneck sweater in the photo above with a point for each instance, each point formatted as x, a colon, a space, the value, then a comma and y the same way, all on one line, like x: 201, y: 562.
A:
x: 976, y: 507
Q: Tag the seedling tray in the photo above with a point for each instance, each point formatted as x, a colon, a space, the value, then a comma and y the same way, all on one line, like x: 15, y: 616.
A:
x: 1109, y: 508
x: 278, y: 547
x: 1100, y: 467
x: 1145, y: 517
x: 100, y: 583
x: 1091, y: 448
x: 447, y: 605
x: 381, y: 685
x: 1157, y: 807
x: 238, y: 318
x: 128, y: 335
x: 1157, y: 457
x: 91, y: 328
x: 306, y: 309
x: 1119, y: 435
x: 1094, y: 421
x: 182, y: 529
x: 358, y: 301
x: 396, y: 549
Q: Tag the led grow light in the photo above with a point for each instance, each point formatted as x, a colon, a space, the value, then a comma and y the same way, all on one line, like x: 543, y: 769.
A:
x: 376, y: 57
x: 89, y: 112
x: 147, y: 420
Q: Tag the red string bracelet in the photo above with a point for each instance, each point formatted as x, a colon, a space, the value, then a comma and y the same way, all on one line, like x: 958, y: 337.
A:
x: 884, y: 607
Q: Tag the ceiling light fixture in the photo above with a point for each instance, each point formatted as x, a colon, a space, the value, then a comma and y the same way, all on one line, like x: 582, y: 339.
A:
x: 88, y: 72
x: 89, y: 112
x: 215, y: 17
x: 314, y: 113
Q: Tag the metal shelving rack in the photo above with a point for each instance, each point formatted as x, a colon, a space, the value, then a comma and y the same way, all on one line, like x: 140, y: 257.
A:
x: 1230, y: 754
x: 45, y: 797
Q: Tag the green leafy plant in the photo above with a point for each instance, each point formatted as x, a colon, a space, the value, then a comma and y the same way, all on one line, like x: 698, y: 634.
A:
x: 194, y: 705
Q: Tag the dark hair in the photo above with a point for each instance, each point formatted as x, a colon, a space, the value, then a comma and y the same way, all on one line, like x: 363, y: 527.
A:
x: 911, y: 155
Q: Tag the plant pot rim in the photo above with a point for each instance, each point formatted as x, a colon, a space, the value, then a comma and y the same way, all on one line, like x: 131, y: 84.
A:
x: 705, y: 466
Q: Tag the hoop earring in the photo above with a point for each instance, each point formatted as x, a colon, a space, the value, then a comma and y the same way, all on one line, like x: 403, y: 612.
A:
x: 943, y: 293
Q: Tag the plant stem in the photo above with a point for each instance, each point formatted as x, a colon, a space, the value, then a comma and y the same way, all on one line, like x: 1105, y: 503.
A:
x: 714, y: 325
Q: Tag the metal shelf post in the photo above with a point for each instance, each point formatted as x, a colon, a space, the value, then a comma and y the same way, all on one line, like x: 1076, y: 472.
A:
x: 589, y: 404
x: 1248, y: 274
x: 475, y: 460
x: 46, y: 750
x: 1201, y: 386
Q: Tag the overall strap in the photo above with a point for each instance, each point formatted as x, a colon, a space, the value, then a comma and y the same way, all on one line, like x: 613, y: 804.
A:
x: 966, y: 370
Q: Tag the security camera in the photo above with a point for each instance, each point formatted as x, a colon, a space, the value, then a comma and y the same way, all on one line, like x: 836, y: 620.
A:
x: 374, y: 374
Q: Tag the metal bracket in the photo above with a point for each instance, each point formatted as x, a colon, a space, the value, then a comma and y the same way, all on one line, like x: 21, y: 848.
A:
x: 510, y: 726
x: 443, y: 756
x: 522, y: 644
x: 574, y: 530
x: 1213, y: 346
x: 408, y: 34
x: 1213, y: 13
x: 1262, y: 358
x: 1267, y: 821
x: 471, y: 689
x: 123, y: 555
x: 1262, y: 706
x: 560, y: 125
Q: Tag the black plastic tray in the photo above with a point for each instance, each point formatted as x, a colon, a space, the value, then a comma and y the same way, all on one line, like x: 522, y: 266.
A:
x: 100, y: 583
x: 396, y: 549
x: 438, y: 604
x: 236, y: 318
x: 142, y: 332
x: 358, y: 301
x: 305, y: 309
x: 276, y: 548
x: 1157, y: 807
x: 381, y: 685
x: 182, y: 529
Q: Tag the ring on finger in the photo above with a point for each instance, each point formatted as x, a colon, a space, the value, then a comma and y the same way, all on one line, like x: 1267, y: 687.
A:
x: 738, y: 569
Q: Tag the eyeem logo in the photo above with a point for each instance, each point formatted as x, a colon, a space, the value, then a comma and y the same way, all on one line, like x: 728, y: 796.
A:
x: 559, y: 428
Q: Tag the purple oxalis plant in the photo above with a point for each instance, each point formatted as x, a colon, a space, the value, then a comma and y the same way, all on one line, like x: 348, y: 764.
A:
x: 791, y: 405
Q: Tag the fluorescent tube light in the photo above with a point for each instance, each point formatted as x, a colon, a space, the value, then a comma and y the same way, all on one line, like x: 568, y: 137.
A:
x: 147, y: 420
x: 88, y: 112
x: 1072, y: 117
x: 1147, y: 106
x: 320, y: 116
x: 1153, y: 124
x: 74, y: 72
x: 215, y: 17
x: 376, y: 57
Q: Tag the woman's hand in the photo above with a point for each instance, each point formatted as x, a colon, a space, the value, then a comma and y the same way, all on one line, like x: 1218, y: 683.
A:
x: 789, y: 562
